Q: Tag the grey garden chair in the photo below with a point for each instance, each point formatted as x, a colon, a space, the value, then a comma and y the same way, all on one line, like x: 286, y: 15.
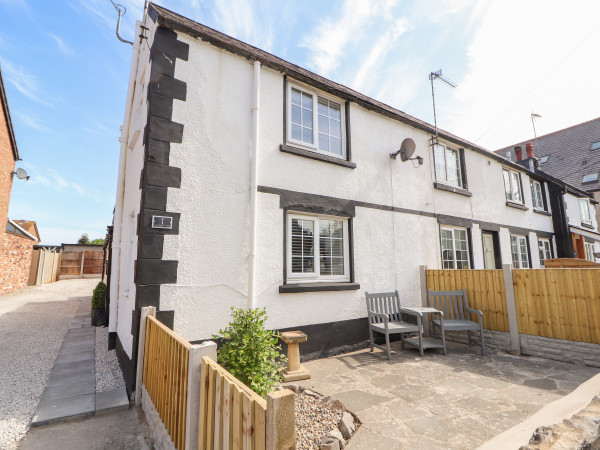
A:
x: 385, y: 316
x: 455, y: 306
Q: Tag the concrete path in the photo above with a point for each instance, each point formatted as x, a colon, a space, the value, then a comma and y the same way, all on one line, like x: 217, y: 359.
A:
x: 457, y: 401
x: 70, y: 393
x: 121, y: 430
x: 33, y: 323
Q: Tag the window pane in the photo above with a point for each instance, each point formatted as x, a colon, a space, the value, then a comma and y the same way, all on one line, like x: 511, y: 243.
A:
x: 296, y: 132
x: 334, y: 112
x: 330, y: 127
x: 307, y: 101
x: 524, y: 253
x: 307, y: 135
x: 337, y: 266
x: 296, y: 95
x: 323, y: 124
x: 440, y: 163
x: 516, y: 186
x: 331, y: 247
x: 335, y: 128
x: 307, y: 118
x: 514, y: 247
x: 323, y: 107
x: 296, y: 114
x: 302, y: 246
x: 325, y: 266
x: 507, y: 188
x: 324, y: 142
x: 453, y: 167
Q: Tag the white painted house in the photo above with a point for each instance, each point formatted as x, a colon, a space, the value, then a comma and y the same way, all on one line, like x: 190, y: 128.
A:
x: 247, y: 181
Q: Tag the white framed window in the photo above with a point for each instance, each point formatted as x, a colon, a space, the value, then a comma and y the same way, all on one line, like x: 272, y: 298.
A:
x: 590, y: 177
x: 544, y: 159
x: 544, y: 248
x: 589, y: 251
x: 455, y: 248
x: 537, y: 197
x: 317, y: 248
x: 448, y: 168
x: 519, y: 251
x: 584, y: 210
x: 315, y: 121
x: 512, y: 186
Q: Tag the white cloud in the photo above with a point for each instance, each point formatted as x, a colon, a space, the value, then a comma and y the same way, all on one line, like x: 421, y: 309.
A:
x: 26, y: 83
x: 525, y: 57
x: 32, y: 122
x: 62, y: 45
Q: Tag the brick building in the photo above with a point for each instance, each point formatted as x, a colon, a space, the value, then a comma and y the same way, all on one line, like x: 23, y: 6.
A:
x: 16, y: 242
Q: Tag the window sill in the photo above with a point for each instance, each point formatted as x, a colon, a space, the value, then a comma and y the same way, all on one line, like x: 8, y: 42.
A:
x: 456, y: 190
x: 517, y: 205
x: 587, y: 225
x: 317, y: 287
x: 542, y: 212
x: 318, y: 156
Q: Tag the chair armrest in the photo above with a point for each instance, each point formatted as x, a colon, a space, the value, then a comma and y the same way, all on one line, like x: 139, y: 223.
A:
x: 408, y: 311
x: 475, y: 311
x: 385, y: 317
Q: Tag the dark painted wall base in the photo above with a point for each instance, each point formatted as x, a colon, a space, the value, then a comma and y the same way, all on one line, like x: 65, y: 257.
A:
x: 127, y: 367
x: 112, y: 340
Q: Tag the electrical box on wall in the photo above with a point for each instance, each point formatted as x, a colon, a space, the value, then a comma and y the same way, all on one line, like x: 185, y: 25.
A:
x: 162, y: 222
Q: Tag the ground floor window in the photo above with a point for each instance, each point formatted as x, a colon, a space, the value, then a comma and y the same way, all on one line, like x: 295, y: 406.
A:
x: 544, y: 248
x: 455, y: 248
x: 589, y: 251
x: 317, y: 248
x: 520, y: 254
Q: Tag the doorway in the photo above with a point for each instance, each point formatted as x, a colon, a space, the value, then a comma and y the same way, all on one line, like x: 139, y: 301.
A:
x: 491, y: 250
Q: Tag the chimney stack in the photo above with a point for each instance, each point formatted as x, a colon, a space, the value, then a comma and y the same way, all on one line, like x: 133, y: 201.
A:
x: 518, y: 153
x: 529, y: 148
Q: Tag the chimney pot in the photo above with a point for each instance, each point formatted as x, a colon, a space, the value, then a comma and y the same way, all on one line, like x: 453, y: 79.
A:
x: 518, y: 153
x: 529, y: 148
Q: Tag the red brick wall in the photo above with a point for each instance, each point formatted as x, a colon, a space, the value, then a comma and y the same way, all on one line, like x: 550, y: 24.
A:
x: 15, y: 260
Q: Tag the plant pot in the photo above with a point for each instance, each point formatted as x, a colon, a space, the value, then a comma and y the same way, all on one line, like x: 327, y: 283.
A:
x: 98, y: 317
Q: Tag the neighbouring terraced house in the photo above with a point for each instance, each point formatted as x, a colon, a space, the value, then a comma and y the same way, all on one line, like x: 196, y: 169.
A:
x: 247, y: 181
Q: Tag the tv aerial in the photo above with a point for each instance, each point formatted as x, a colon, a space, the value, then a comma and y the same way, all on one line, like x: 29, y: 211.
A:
x: 437, y: 76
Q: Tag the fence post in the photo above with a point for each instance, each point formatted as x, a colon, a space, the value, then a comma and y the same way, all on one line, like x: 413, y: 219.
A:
x: 511, y: 309
x: 192, y: 417
x: 281, y: 421
x: 146, y: 311
x: 423, y: 281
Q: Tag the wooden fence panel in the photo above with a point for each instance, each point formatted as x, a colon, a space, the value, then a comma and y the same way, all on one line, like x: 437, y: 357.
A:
x: 166, y: 359
x: 231, y: 415
x: 70, y: 263
x: 559, y: 303
x: 485, y: 291
x: 92, y: 263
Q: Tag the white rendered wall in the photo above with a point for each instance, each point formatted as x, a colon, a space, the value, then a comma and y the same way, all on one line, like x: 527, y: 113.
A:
x: 212, y: 245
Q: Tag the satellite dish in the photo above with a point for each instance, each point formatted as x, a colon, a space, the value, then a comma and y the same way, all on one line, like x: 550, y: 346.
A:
x: 22, y: 174
x: 407, y: 149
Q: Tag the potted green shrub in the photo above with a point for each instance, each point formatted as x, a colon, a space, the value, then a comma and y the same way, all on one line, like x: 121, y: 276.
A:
x: 98, y: 312
x: 250, y: 352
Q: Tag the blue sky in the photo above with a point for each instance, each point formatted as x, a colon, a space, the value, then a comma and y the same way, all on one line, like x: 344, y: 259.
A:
x: 66, y: 77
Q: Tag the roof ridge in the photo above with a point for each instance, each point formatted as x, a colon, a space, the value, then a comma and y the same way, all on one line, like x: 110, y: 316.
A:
x: 526, y: 141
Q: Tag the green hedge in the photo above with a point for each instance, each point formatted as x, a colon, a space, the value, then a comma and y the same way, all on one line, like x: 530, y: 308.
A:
x: 99, y: 296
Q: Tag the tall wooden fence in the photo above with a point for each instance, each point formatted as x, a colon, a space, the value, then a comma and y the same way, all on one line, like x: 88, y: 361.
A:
x: 559, y: 303
x: 553, y: 303
x: 166, y: 357
x: 485, y: 291
x: 44, y: 267
x: 231, y: 415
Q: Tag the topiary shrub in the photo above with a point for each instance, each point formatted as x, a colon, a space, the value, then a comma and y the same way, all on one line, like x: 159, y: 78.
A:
x: 99, y: 296
x: 250, y: 352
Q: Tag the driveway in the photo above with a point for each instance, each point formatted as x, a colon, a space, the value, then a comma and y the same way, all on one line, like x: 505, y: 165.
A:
x: 33, y: 324
x: 455, y: 401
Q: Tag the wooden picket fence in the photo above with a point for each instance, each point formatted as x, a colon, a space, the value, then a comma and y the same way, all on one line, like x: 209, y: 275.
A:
x: 485, y: 291
x: 559, y: 303
x: 165, y: 377
x: 232, y: 416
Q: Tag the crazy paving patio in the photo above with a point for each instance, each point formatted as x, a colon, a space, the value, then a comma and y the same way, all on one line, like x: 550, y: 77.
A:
x: 460, y: 400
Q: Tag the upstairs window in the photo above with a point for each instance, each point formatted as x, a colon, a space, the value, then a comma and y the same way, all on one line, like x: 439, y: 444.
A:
x: 590, y: 177
x: 317, y: 248
x: 448, y: 168
x: 520, y: 254
x: 544, y: 159
x: 595, y: 145
x: 455, y: 248
x: 537, y: 196
x: 512, y: 186
x: 315, y: 122
x: 584, y: 211
x: 544, y: 248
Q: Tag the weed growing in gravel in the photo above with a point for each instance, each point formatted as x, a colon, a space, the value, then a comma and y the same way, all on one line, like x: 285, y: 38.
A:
x: 250, y: 352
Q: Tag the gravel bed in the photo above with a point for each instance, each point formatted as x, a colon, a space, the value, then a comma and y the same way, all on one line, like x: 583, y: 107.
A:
x: 33, y: 324
x: 314, y: 420
x: 108, y: 371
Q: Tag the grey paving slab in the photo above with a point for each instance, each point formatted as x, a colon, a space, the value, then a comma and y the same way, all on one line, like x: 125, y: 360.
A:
x: 72, y: 367
x: 58, y: 410
x: 70, y: 377
x: 69, y: 389
x: 74, y: 357
x: 111, y: 401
